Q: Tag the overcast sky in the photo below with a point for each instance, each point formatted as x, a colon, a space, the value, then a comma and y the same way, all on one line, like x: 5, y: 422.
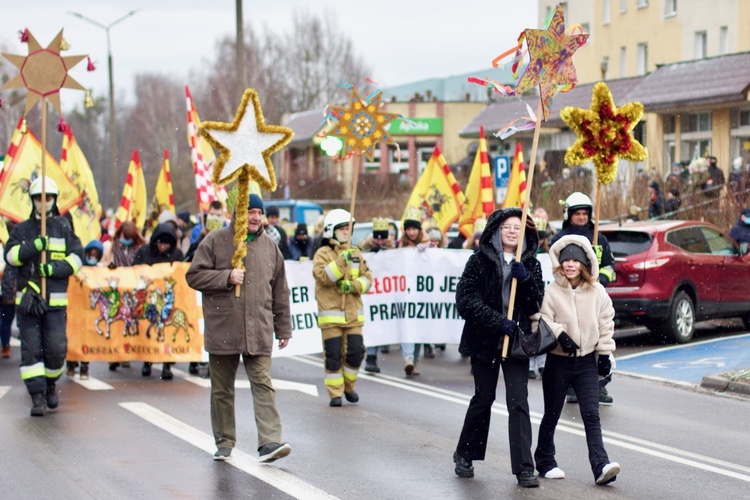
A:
x: 401, y: 40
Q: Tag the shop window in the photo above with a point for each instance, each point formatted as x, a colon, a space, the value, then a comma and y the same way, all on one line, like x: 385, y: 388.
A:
x: 698, y: 122
x: 669, y: 124
x: 745, y: 118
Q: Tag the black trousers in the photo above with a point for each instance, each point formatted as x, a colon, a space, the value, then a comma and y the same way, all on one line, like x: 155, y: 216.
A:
x: 580, y: 373
x: 472, y: 444
x: 44, y: 346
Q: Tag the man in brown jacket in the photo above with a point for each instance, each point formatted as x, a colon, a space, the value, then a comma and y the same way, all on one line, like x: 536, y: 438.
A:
x: 243, y: 325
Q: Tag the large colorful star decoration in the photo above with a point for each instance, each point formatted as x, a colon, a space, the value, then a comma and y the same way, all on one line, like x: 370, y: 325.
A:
x: 550, y: 59
x: 43, y: 72
x: 246, y: 144
x: 361, y: 125
x: 605, y: 133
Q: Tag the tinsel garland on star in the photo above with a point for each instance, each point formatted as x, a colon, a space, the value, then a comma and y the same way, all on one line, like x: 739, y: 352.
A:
x: 605, y: 133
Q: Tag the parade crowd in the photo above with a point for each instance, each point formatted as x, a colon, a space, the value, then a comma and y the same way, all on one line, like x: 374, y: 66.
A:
x: 575, y: 305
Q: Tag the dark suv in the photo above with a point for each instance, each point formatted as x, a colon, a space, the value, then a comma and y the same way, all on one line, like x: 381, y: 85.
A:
x: 670, y: 274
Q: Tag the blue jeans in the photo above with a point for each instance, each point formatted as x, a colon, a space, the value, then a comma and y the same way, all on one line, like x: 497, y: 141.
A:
x: 411, y: 350
x: 7, y: 313
x: 580, y: 373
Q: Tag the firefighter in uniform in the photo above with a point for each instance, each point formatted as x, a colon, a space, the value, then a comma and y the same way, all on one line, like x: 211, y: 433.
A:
x: 41, y: 320
x: 341, y: 278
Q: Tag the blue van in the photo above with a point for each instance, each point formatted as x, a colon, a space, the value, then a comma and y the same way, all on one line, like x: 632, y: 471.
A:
x: 296, y: 211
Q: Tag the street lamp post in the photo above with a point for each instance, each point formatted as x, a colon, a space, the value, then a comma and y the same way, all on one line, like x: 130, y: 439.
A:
x: 112, y: 135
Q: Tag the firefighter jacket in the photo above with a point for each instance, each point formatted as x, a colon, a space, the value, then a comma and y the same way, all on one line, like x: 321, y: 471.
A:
x: 64, y: 254
x: 332, y: 268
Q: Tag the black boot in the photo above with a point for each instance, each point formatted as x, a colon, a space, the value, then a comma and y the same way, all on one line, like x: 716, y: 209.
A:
x: 371, y: 364
x: 37, y: 405
x: 52, y: 400
x: 146, y: 370
x: 166, y: 371
x: 193, y: 369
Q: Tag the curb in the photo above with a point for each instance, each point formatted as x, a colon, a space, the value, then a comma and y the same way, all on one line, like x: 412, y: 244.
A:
x: 723, y: 384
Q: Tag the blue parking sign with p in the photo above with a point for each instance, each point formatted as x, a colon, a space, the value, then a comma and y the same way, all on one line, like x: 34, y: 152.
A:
x: 502, y: 171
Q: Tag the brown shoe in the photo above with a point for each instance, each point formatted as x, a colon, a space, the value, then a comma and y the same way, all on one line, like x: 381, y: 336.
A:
x: 6, y: 351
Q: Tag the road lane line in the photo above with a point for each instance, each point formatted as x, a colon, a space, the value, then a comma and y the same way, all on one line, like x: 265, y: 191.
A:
x: 279, y: 479
x: 4, y: 390
x: 92, y: 384
x: 240, y: 383
x: 617, y: 439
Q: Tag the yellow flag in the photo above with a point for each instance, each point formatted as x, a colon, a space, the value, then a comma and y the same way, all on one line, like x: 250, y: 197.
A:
x: 163, y: 194
x: 87, y: 212
x: 133, y: 203
x: 480, y: 200
x: 436, y: 194
x: 23, y: 164
x: 516, y: 195
x: 3, y: 231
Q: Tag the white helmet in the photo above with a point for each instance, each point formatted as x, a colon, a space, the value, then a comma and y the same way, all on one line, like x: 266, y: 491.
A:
x: 50, y: 186
x: 335, y: 218
x: 577, y: 201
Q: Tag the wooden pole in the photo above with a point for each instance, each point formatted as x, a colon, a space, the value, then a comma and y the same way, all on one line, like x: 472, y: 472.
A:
x: 596, y: 212
x: 524, y: 216
x: 355, y: 181
x: 44, y: 190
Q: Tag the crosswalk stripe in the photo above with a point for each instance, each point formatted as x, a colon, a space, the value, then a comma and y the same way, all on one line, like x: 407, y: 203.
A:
x: 241, y: 383
x: 279, y: 479
x: 93, y: 384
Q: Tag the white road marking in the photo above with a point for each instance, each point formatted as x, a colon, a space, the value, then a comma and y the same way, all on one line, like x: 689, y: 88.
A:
x: 241, y: 383
x: 283, y: 481
x: 14, y: 342
x: 93, y: 384
x: 633, y: 443
x: 4, y: 390
x: 682, y: 346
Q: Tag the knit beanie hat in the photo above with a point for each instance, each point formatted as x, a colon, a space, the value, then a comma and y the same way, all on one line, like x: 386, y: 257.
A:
x: 255, y: 201
x: 574, y: 252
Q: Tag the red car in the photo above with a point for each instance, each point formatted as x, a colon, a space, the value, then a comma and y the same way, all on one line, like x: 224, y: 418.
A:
x: 670, y: 274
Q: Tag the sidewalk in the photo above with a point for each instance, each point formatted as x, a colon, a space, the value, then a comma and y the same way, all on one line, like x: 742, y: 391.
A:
x: 737, y: 381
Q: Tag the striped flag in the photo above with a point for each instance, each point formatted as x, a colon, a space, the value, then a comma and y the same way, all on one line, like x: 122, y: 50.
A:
x: 23, y: 164
x: 163, y: 194
x: 203, y: 158
x: 437, y: 194
x: 516, y: 195
x: 480, y: 200
x: 87, y: 212
x: 133, y: 203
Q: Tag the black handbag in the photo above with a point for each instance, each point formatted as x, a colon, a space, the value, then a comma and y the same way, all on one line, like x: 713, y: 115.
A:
x: 527, y: 345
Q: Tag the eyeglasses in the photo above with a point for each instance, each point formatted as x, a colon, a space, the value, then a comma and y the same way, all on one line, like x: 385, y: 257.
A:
x: 507, y: 229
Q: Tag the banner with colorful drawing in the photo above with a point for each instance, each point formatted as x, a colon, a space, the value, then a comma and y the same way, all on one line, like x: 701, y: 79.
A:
x: 145, y: 313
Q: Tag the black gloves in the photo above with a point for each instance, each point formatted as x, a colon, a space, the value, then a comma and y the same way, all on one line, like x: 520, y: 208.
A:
x: 603, y: 280
x: 566, y: 343
x: 518, y: 271
x: 508, y: 327
x: 604, y: 365
x: 32, y: 304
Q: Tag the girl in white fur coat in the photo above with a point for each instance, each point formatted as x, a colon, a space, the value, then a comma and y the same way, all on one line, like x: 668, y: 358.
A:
x: 580, y: 314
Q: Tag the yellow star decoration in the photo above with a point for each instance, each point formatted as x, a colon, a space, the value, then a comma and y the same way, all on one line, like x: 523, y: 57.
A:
x: 550, y: 59
x: 43, y: 72
x: 246, y: 144
x: 361, y: 125
x: 605, y: 133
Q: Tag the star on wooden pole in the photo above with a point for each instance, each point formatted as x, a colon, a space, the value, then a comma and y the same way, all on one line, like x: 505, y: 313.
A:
x: 361, y: 125
x: 43, y: 72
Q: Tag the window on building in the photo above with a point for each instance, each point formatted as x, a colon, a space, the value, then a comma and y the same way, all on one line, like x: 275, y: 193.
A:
x: 623, y: 5
x: 641, y: 3
x: 605, y: 11
x: 698, y: 122
x: 669, y: 124
x: 623, y: 62
x: 700, y: 44
x: 723, y: 40
x: 670, y: 8
x: 745, y: 118
x: 642, y: 58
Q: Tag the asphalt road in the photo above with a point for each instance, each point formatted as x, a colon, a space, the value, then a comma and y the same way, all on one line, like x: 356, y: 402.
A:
x: 123, y: 436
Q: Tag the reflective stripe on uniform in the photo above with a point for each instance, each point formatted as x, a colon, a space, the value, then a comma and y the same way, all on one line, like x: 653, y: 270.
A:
x: 354, y: 269
x: 333, y: 272
x: 334, y: 379
x: 361, y: 315
x: 56, y: 245
x: 53, y: 373
x: 608, y: 273
x: 365, y: 283
x: 58, y: 299
x: 19, y: 296
x: 330, y: 317
x: 350, y: 373
x: 35, y: 370
x: 13, y: 257
x: 34, y: 286
x: 74, y: 261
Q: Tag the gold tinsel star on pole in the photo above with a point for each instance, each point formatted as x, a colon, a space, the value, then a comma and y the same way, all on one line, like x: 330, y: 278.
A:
x: 43, y: 72
x: 361, y: 125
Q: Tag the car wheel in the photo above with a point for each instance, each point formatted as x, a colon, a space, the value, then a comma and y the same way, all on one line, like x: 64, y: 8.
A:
x: 680, y: 325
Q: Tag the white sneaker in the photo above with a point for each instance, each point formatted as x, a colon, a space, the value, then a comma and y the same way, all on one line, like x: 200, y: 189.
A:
x: 554, y: 473
x: 609, y: 473
x: 409, y: 368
